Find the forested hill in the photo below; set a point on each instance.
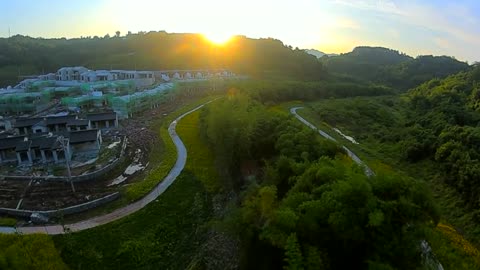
(20, 55)
(444, 116)
(392, 68)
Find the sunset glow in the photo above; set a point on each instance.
(217, 37)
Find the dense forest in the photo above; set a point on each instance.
(392, 68)
(431, 132)
(444, 127)
(436, 121)
(303, 204)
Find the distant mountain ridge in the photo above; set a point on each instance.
(319, 54)
(391, 67)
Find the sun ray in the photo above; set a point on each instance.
(217, 38)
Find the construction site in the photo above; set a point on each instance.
(121, 152)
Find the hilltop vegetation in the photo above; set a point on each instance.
(20, 55)
(392, 68)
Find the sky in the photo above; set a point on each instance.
(415, 27)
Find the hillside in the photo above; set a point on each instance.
(20, 55)
(392, 68)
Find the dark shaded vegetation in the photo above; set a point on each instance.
(305, 205)
(273, 92)
(392, 68)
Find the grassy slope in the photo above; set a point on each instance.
(35, 251)
(450, 247)
(200, 158)
(164, 235)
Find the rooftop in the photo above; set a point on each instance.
(10, 142)
(83, 136)
(26, 122)
(102, 116)
(55, 120)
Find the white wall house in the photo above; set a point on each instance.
(70, 73)
(47, 77)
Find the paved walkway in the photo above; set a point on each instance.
(352, 155)
(126, 210)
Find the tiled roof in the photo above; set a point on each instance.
(26, 122)
(78, 122)
(10, 142)
(83, 136)
(23, 146)
(102, 116)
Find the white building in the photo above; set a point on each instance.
(70, 73)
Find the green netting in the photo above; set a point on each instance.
(22, 102)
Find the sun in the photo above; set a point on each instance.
(217, 38)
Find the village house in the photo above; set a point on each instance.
(85, 144)
(70, 73)
(103, 120)
(47, 147)
(25, 126)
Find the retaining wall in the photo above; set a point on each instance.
(64, 211)
(75, 178)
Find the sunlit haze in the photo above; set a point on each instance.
(414, 27)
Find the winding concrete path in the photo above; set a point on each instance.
(352, 155)
(126, 210)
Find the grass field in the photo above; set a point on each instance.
(200, 158)
(163, 157)
(167, 233)
(29, 252)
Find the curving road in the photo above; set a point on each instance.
(352, 155)
(126, 210)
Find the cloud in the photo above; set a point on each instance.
(454, 22)
(383, 6)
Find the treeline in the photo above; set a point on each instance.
(444, 117)
(277, 91)
(392, 68)
(303, 203)
(21, 55)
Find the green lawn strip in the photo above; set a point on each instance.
(161, 161)
(9, 222)
(200, 158)
(36, 251)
